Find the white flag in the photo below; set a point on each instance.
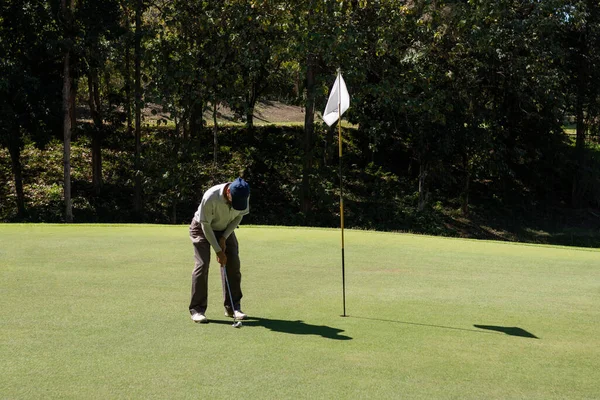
(338, 99)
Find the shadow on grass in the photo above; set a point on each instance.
(509, 330)
(512, 331)
(292, 327)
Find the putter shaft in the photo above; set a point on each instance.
(224, 270)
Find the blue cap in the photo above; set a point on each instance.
(240, 191)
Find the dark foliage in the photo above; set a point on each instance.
(377, 195)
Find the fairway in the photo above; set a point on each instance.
(100, 312)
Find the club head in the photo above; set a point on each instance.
(237, 324)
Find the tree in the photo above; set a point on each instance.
(467, 88)
(314, 38)
(580, 23)
(67, 102)
(29, 83)
(259, 48)
(100, 29)
(402, 97)
(138, 201)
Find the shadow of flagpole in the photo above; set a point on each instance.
(486, 329)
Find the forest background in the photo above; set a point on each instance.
(467, 118)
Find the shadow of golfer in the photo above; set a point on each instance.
(509, 330)
(293, 327)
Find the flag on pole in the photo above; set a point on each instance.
(338, 103)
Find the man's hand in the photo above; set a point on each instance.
(222, 257)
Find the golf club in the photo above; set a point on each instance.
(236, 324)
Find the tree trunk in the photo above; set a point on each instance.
(127, 72)
(464, 197)
(327, 145)
(309, 128)
(67, 115)
(94, 103)
(256, 89)
(174, 212)
(15, 157)
(578, 189)
(184, 122)
(215, 142)
(423, 193)
(73, 102)
(297, 85)
(250, 104)
(138, 112)
(196, 118)
(128, 86)
(586, 94)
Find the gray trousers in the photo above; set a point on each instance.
(202, 250)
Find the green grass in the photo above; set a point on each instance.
(100, 311)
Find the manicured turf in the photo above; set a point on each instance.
(100, 312)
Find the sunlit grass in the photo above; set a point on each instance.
(100, 311)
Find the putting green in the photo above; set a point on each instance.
(100, 311)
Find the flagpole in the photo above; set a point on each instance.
(341, 186)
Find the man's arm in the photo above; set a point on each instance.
(210, 236)
(236, 222)
(232, 225)
(206, 217)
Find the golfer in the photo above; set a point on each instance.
(220, 212)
